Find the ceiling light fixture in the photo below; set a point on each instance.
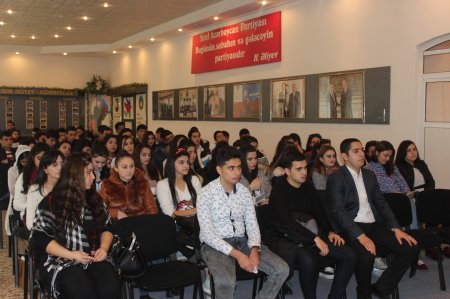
(13, 36)
(56, 35)
(33, 37)
(114, 52)
(65, 53)
(85, 18)
(17, 53)
(180, 29)
(152, 39)
(216, 18)
(9, 11)
(69, 28)
(263, 3)
(106, 5)
(130, 46)
(2, 23)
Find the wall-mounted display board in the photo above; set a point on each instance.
(355, 96)
(41, 107)
(129, 104)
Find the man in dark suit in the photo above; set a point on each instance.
(363, 217)
(294, 105)
(346, 101)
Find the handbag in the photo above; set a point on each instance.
(130, 261)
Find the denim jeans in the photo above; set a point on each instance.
(223, 269)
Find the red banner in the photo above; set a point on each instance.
(251, 42)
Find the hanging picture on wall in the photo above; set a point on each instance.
(29, 115)
(187, 103)
(43, 115)
(141, 109)
(99, 111)
(341, 95)
(288, 98)
(247, 100)
(117, 109)
(214, 102)
(76, 113)
(128, 108)
(166, 104)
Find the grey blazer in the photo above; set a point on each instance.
(343, 202)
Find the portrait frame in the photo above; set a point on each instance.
(342, 95)
(188, 103)
(247, 104)
(288, 99)
(166, 105)
(128, 107)
(214, 102)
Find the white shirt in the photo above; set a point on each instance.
(225, 215)
(165, 197)
(365, 214)
(34, 197)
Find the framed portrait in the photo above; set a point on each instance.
(99, 107)
(214, 101)
(187, 103)
(287, 99)
(247, 100)
(117, 109)
(128, 108)
(166, 105)
(141, 109)
(341, 95)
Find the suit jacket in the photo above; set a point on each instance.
(343, 202)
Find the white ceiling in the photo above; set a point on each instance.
(122, 23)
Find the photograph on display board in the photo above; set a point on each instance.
(288, 98)
(247, 100)
(128, 108)
(187, 103)
(141, 109)
(341, 95)
(166, 104)
(214, 101)
(117, 109)
(99, 111)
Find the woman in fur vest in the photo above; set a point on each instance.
(127, 191)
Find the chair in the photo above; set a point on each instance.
(433, 210)
(401, 207)
(157, 237)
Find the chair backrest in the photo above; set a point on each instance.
(401, 207)
(264, 217)
(433, 207)
(156, 234)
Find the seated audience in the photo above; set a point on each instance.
(71, 237)
(127, 192)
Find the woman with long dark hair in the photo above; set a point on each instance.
(196, 169)
(142, 156)
(127, 192)
(111, 147)
(149, 139)
(27, 178)
(177, 193)
(254, 177)
(413, 169)
(49, 172)
(71, 236)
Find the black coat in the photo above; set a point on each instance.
(407, 171)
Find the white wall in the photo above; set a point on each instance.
(318, 36)
(33, 69)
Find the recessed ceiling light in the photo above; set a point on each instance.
(114, 52)
(106, 5)
(33, 37)
(9, 11)
(85, 18)
(130, 46)
(216, 18)
(17, 53)
(180, 29)
(152, 39)
(65, 53)
(69, 28)
(2, 23)
(263, 2)
(56, 35)
(13, 36)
